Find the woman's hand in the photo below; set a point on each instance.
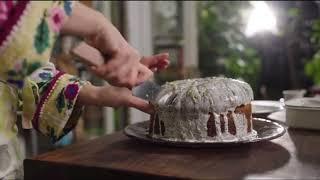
(113, 97)
(123, 67)
(125, 71)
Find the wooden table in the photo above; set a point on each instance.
(296, 155)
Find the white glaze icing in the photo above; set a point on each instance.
(183, 106)
(212, 94)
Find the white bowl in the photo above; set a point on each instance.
(303, 113)
(293, 93)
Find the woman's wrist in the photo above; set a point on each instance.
(88, 95)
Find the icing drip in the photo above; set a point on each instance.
(232, 126)
(151, 123)
(211, 125)
(162, 127)
(222, 124)
(156, 129)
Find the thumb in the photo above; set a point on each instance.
(97, 70)
(144, 74)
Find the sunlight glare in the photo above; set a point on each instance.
(261, 19)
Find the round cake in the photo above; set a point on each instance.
(203, 109)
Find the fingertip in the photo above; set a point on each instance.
(150, 110)
(164, 62)
(154, 69)
(132, 83)
(141, 104)
(164, 53)
(138, 83)
(94, 68)
(163, 56)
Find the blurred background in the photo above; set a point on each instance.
(272, 45)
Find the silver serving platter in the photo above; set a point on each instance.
(265, 106)
(266, 130)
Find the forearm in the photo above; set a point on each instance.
(111, 96)
(88, 95)
(99, 96)
(83, 21)
(90, 24)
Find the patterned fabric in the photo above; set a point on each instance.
(28, 30)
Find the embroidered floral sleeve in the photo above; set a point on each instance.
(49, 101)
(28, 30)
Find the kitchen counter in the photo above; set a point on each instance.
(296, 155)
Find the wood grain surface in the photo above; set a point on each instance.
(296, 155)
